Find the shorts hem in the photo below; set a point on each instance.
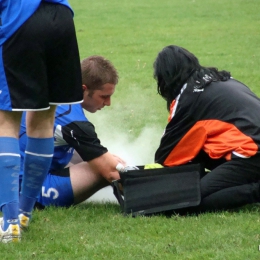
(46, 108)
(30, 109)
(66, 103)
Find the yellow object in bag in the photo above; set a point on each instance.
(153, 166)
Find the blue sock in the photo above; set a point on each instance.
(37, 162)
(9, 179)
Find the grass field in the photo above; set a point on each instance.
(224, 34)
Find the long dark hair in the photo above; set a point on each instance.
(175, 66)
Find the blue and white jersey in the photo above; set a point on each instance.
(14, 13)
(63, 152)
(72, 131)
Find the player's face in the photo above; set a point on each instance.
(99, 98)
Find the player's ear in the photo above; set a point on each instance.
(84, 87)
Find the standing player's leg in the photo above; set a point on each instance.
(9, 175)
(37, 160)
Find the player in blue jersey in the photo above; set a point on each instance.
(94, 167)
(39, 69)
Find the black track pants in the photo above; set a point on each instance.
(232, 184)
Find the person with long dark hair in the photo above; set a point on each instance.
(213, 120)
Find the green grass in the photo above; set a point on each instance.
(224, 34)
(100, 231)
(221, 33)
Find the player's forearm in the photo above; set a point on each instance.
(105, 165)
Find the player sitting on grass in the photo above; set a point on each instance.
(73, 133)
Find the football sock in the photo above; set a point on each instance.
(9, 180)
(37, 162)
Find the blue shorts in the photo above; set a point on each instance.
(57, 189)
